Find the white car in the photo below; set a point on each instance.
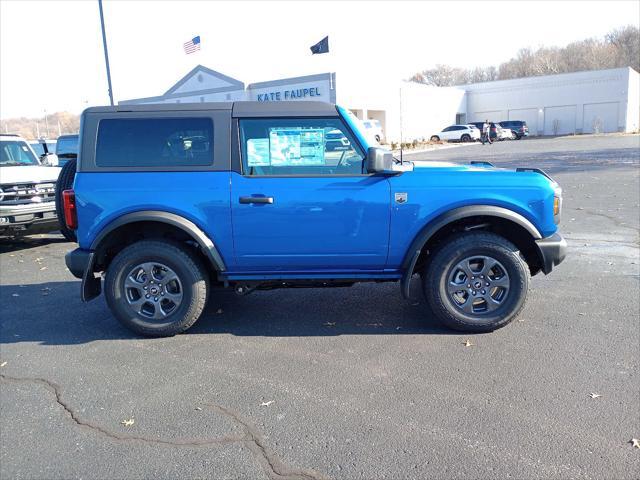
(457, 133)
(504, 133)
(374, 128)
(27, 189)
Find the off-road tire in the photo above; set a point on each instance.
(435, 279)
(184, 263)
(65, 182)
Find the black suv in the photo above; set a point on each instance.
(518, 127)
(492, 129)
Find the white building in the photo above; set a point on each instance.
(572, 103)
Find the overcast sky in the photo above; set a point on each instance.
(51, 53)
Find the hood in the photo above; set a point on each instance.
(28, 174)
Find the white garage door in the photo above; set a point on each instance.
(491, 116)
(560, 120)
(529, 115)
(600, 117)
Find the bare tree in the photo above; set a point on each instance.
(619, 48)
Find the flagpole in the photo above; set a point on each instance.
(106, 53)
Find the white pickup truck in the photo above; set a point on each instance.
(27, 189)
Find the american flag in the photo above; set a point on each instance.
(192, 45)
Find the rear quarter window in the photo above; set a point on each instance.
(154, 142)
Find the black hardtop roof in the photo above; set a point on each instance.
(238, 109)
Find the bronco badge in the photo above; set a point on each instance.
(401, 197)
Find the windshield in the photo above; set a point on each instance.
(67, 146)
(38, 148)
(16, 152)
(366, 137)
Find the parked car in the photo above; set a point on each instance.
(66, 148)
(45, 150)
(27, 189)
(496, 131)
(518, 128)
(458, 133)
(336, 141)
(374, 128)
(166, 224)
(41, 147)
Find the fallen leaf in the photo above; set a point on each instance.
(45, 289)
(329, 324)
(266, 404)
(582, 314)
(39, 259)
(595, 395)
(128, 423)
(15, 294)
(43, 268)
(635, 442)
(468, 343)
(198, 408)
(3, 364)
(11, 255)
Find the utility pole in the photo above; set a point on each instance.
(106, 53)
(46, 122)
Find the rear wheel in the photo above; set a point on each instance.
(156, 288)
(477, 282)
(435, 138)
(65, 182)
(514, 136)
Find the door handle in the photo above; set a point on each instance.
(262, 200)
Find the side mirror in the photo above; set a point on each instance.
(380, 161)
(49, 159)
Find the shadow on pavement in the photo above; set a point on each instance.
(53, 314)
(14, 244)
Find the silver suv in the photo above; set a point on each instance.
(27, 189)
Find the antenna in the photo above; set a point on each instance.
(401, 125)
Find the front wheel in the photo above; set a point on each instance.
(156, 288)
(465, 138)
(477, 282)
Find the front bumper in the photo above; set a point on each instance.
(32, 218)
(552, 251)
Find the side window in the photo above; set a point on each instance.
(154, 142)
(448, 129)
(306, 146)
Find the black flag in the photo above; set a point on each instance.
(321, 47)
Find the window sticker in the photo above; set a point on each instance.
(296, 146)
(258, 152)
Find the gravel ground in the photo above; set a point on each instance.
(343, 383)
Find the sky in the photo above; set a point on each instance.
(51, 55)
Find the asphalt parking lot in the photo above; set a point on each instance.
(343, 383)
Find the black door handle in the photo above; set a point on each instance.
(256, 199)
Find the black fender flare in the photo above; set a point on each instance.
(190, 228)
(417, 245)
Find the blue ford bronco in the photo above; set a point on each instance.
(169, 201)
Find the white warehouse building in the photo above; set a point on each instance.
(598, 101)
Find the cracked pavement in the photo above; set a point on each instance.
(363, 385)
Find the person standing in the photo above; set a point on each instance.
(486, 132)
